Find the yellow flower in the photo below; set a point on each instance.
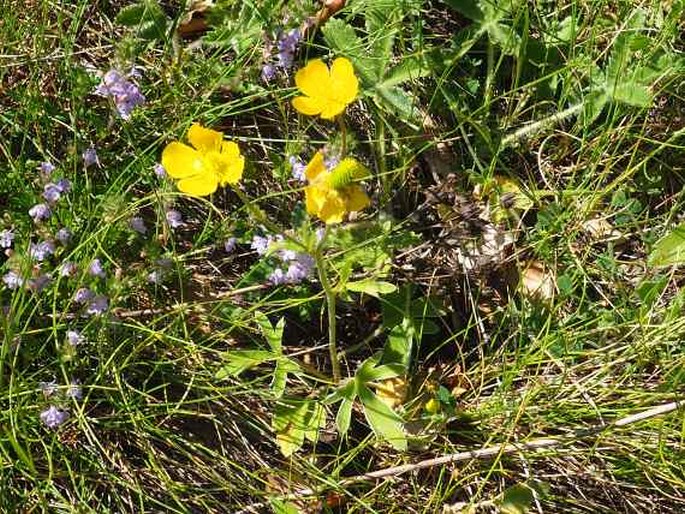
(212, 162)
(327, 202)
(327, 91)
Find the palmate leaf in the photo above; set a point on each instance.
(241, 360)
(294, 421)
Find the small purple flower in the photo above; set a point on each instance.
(287, 46)
(277, 278)
(48, 388)
(159, 170)
(331, 162)
(155, 277)
(98, 305)
(74, 391)
(298, 169)
(300, 268)
(122, 91)
(95, 269)
(63, 185)
(12, 280)
(319, 234)
(53, 417)
(137, 224)
(63, 236)
(83, 295)
(75, 338)
(229, 245)
(46, 168)
(40, 251)
(67, 269)
(39, 283)
(6, 238)
(174, 218)
(268, 72)
(40, 212)
(90, 157)
(260, 244)
(51, 193)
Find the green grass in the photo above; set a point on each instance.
(451, 103)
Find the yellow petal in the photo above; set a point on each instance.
(315, 167)
(333, 209)
(314, 79)
(345, 85)
(232, 171)
(181, 161)
(307, 105)
(199, 185)
(204, 139)
(357, 199)
(331, 109)
(230, 149)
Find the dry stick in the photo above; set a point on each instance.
(485, 453)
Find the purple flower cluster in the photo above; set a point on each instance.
(94, 304)
(6, 238)
(40, 251)
(174, 218)
(286, 45)
(90, 157)
(40, 212)
(299, 266)
(298, 168)
(123, 92)
(53, 191)
(53, 417)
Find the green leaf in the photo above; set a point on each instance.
(344, 416)
(385, 423)
(399, 101)
(240, 360)
(293, 420)
(153, 29)
(633, 94)
(132, 14)
(468, 8)
(283, 507)
(273, 335)
(517, 500)
(371, 287)
(399, 346)
(411, 68)
(342, 38)
(669, 250)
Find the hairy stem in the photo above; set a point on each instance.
(329, 292)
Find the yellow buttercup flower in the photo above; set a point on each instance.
(327, 196)
(210, 163)
(327, 91)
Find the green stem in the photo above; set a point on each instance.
(329, 292)
(537, 126)
(343, 136)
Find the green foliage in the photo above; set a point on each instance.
(670, 249)
(238, 361)
(385, 422)
(147, 18)
(407, 319)
(372, 60)
(297, 421)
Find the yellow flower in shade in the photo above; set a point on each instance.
(327, 91)
(330, 195)
(210, 163)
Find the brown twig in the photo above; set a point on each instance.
(491, 451)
